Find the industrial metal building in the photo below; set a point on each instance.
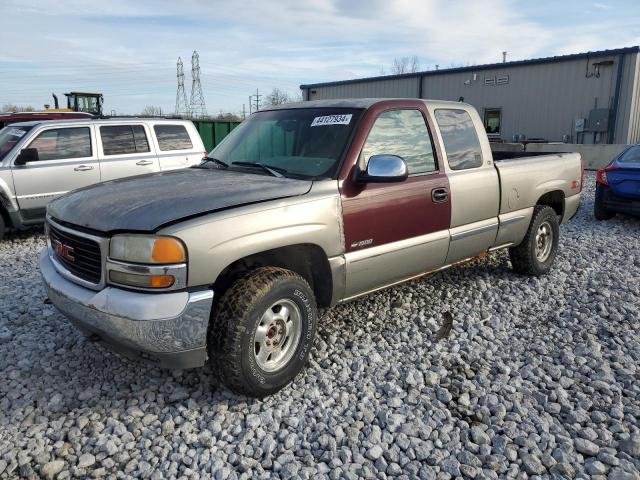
(589, 98)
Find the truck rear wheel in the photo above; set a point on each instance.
(536, 253)
(262, 331)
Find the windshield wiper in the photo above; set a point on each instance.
(214, 160)
(275, 171)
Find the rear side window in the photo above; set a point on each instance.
(630, 156)
(172, 137)
(403, 133)
(460, 138)
(123, 139)
(63, 143)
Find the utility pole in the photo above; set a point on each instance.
(257, 100)
(254, 102)
(244, 114)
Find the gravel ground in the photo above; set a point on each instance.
(536, 377)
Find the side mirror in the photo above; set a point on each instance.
(383, 169)
(27, 155)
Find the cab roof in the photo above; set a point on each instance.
(362, 103)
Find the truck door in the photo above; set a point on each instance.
(396, 230)
(66, 160)
(474, 183)
(125, 151)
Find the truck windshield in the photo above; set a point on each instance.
(300, 142)
(9, 136)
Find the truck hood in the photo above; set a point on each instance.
(145, 203)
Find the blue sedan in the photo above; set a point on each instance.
(618, 185)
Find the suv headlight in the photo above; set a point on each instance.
(147, 262)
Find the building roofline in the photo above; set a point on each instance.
(487, 66)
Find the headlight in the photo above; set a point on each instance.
(147, 249)
(147, 262)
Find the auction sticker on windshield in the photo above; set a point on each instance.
(332, 120)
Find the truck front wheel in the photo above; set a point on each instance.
(262, 331)
(536, 253)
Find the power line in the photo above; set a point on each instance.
(181, 96)
(197, 107)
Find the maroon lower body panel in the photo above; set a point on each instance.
(379, 213)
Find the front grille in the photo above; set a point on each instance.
(87, 259)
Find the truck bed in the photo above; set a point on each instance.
(525, 179)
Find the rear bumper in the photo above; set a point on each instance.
(169, 329)
(614, 203)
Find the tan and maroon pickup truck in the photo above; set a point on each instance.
(302, 206)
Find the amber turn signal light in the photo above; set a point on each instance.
(141, 281)
(168, 250)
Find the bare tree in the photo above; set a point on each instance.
(9, 107)
(277, 97)
(229, 117)
(151, 111)
(405, 65)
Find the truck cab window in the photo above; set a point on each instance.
(403, 133)
(460, 138)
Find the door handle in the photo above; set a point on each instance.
(439, 195)
(83, 168)
(144, 162)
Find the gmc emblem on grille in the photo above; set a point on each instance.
(62, 250)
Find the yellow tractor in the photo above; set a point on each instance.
(79, 102)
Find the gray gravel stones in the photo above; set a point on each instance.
(538, 377)
(586, 447)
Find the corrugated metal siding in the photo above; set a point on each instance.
(401, 88)
(540, 100)
(634, 115)
(626, 115)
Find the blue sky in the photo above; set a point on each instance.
(128, 49)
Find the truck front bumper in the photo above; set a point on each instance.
(169, 329)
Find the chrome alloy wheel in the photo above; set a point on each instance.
(544, 241)
(278, 335)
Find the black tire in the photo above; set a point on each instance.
(523, 257)
(3, 227)
(599, 212)
(234, 323)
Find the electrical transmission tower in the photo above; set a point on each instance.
(197, 107)
(182, 108)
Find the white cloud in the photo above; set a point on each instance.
(128, 50)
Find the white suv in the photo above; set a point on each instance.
(40, 161)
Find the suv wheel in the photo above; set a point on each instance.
(262, 331)
(536, 253)
(3, 227)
